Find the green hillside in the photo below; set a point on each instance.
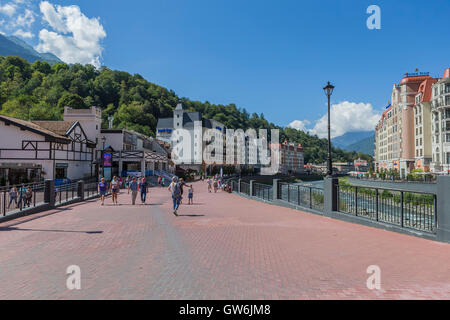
(39, 91)
(365, 146)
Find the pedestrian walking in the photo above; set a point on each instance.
(13, 196)
(28, 196)
(215, 184)
(159, 181)
(21, 201)
(143, 188)
(133, 187)
(191, 195)
(102, 189)
(209, 182)
(175, 189)
(115, 188)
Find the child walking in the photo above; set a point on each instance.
(191, 195)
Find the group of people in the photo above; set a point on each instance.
(133, 186)
(216, 183)
(140, 186)
(22, 197)
(161, 181)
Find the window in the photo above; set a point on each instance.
(61, 173)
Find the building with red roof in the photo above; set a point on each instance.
(440, 124)
(395, 132)
(422, 125)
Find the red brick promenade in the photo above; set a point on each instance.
(223, 247)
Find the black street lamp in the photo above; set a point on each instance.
(328, 92)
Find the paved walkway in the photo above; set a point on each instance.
(223, 247)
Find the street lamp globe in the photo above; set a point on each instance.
(328, 89)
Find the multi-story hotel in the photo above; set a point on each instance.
(395, 132)
(292, 158)
(440, 110)
(422, 125)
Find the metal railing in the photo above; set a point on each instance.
(427, 178)
(66, 193)
(262, 191)
(234, 185)
(17, 198)
(245, 188)
(90, 190)
(402, 208)
(304, 196)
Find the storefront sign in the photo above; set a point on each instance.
(107, 159)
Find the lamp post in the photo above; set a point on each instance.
(328, 92)
(103, 156)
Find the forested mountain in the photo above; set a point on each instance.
(13, 46)
(365, 146)
(350, 138)
(39, 91)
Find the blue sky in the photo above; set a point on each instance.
(270, 57)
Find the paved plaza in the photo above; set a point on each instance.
(222, 247)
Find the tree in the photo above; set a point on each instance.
(71, 100)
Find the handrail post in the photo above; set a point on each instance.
(402, 210)
(275, 186)
(49, 192)
(80, 192)
(376, 204)
(356, 200)
(330, 193)
(310, 198)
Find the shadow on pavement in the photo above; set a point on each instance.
(39, 230)
(191, 215)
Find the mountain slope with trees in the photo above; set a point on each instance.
(39, 91)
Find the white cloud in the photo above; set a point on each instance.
(23, 34)
(8, 9)
(75, 39)
(300, 125)
(26, 19)
(19, 17)
(345, 117)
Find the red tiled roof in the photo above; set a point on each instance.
(416, 79)
(446, 73)
(425, 89)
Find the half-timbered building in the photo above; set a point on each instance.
(37, 150)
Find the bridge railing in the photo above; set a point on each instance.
(66, 193)
(24, 199)
(300, 195)
(405, 209)
(21, 197)
(262, 191)
(420, 210)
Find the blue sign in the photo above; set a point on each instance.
(417, 74)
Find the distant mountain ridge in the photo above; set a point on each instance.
(360, 141)
(365, 146)
(12, 46)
